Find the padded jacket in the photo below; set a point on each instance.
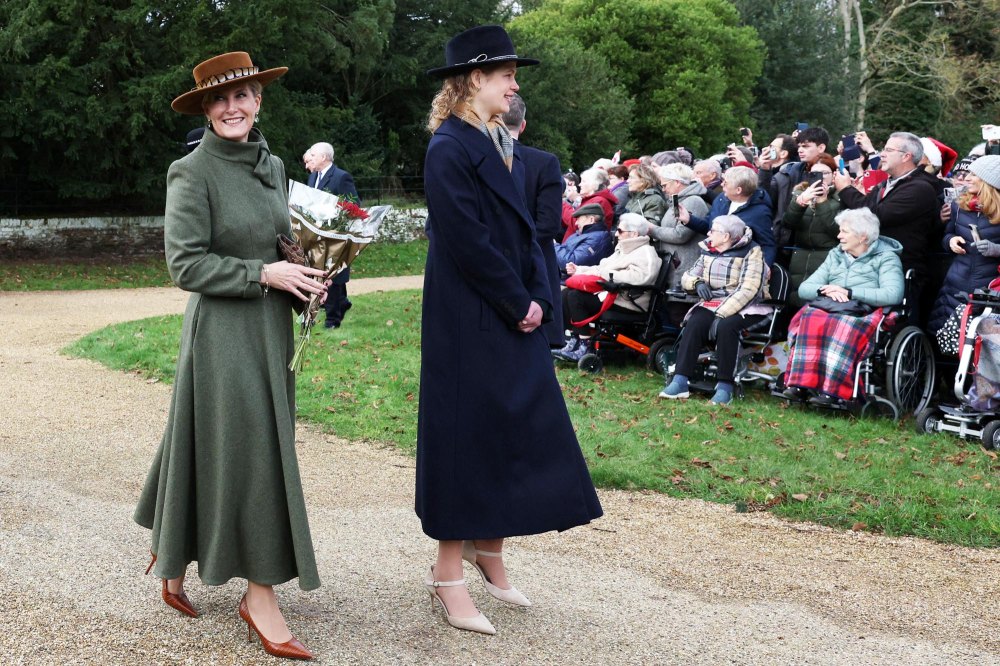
(875, 278)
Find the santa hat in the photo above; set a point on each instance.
(931, 152)
(948, 156)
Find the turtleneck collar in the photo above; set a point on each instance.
(253, 152)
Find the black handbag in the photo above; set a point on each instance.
(850, 307)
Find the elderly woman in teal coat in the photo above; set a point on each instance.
(497, 456)
(224, 486)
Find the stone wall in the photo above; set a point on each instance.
(59, 237)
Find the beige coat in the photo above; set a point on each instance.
(634, 262)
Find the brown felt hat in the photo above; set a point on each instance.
(222, 70)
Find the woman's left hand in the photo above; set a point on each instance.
(532, 320)
(835, 292)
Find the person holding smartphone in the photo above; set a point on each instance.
(972, 235)
(810, 218)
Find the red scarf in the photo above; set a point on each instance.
(974, 204)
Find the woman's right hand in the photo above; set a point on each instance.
(293, 278)
(570, 268)
(683, 215)
(945, 212)
(955, 245)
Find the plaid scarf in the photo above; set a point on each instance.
(493, 128)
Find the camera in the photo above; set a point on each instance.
(726, 162)
(745, 131)
(801, 126)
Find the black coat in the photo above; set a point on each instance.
(339, 182)
(909, 212)
(496, 451)
(543, 189)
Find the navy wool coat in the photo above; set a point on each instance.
(543, 190)
(496, 452)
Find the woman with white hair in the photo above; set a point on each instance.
(678, 180)
(729, 278)
(829, 335)
(633, 262)
(593, 190)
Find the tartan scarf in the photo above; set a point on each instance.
(493, 128)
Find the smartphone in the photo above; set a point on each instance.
(975, 234)
(814, 177)
(744, 131)
(801, 126)
(852, 151)
(991, 132)
(841, 167)
(676, 200)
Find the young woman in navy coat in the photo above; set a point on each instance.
(496, 452)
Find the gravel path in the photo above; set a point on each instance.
(656, 581)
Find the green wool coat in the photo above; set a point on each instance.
(224, 487)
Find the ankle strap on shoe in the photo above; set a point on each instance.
(447, 583)
(486, 553)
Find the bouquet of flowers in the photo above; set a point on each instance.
(332, 231)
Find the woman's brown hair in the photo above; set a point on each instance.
(989, 202)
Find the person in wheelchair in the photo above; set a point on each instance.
(634, 262)
(590, 243)
(829, 336)
(729, 278)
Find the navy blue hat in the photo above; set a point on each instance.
(478, 47)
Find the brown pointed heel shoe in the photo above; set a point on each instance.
(176, 601)
(292, 649)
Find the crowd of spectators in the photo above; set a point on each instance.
(914, 207)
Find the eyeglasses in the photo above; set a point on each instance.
(716, 231)
(886, 149)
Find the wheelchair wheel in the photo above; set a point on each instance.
(927, 420)
(910, 370)
(658, 352)
(591, 363)
(875, 406)
(991, 435)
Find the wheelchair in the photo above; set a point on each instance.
(753, 341)
(643, 331)
(967, 420)
(896, 376)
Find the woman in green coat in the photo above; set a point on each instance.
(810, 216)
(224, 486)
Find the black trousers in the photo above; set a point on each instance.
(336, 304)
(579, 305)
(727, 343)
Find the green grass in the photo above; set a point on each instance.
(379, 260)
(361, 382)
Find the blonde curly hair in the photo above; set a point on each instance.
(454, 90)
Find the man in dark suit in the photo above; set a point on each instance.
(543, 190)
(326, 176)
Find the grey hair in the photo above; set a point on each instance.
(732, 225)
(515, 116)
(710, 164)
(911, 144)
(323, 149)
(743, 178)
(861, 221)
(678, 171)
(599, 176)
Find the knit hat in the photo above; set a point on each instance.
(948, 156)
(634, 222)
(987, 167)
(590, 209)
(931, 152)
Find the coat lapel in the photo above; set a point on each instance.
(491, 169)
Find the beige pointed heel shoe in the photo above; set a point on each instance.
(510, 595)
(478, 624)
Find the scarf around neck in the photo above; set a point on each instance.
(493, 128)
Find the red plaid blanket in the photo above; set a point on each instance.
(826, 348)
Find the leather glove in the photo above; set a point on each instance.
(705, 292)
(988, 249)
(713, 330)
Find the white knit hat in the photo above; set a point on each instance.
(987, 168)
